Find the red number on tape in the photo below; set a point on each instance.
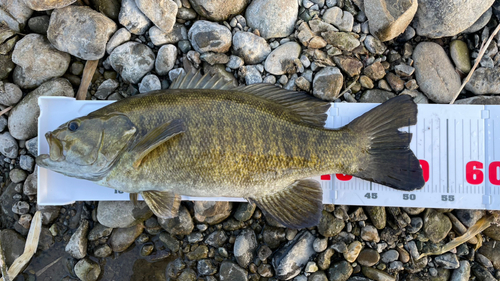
(425, 168)
(326, 177)
(473, 173)
(343, 177)
(493, 173)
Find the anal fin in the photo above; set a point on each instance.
(163, 204)
(297, 206)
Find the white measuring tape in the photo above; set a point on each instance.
(458, 147)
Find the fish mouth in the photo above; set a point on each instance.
(55, 147)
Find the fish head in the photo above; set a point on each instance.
(87, 147)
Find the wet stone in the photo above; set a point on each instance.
(206, 267)
(329, 225)
(264, 252)
(413, 211)
(415, 225)
(293, 256)
(244, 212)
(77, 245)
(21, 207)
(482, 273)
(195, 237)
(462, 273)
(389, 256)
(201, 252)
(122, 238)
(323, 260)
(232, 272)
(106, 88)
(180, 225)
(436, 225)
(459, 53)
(340, 271)
(216, 239)
(448, 261)
(87, 270)
(320, 245)
(244, 247)
(368, 257)
(469, 217)
(353, 251)
(99, 231)
(377, 215)
(370, 233)
(17, 175)
(170, 241)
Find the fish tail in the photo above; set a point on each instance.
(386, 156)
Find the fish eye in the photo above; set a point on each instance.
(73, 126)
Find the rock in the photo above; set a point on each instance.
(434, 72)
(482, 273)
(374, 46)
(289, 259)
(8, 146)
(376, 274)
(368, 257)
(346, 41)
(87, 270)
(376, 96)
(469, 217)
(369, 233)
(375, 71)
(462, 273)
(252, 48)
(206, 267)
(17, 175)
(10, 94)
(110, 8)
(37, 61)
(218, 10)
(415, 225)
(201, 252)
(436, 225)
(480, 22)
(170, 241)
(99, 231)
(23, 118)
(44, 5)
(387, 19)
(340, 271)
(214, 58)
(49, 213)
(212, 212)
(159, 37)
(350, 65)
(180, 225)
(149, 83)
(122, 238)
(32, 146)
(438, 18)
(132, 61)
(342, 20)
(377, 215)
(39, 24)
(273, 18)
(106, 88)
(161, 13)
(329, 225)
(119, 37)
(30, 185)
(103, 251)
(235, 62)
(165, 60)
(251, 74)
(188, 275)
(21, 208)
(327, 83)
(282, 59)
(77, 245)
(12, 245)
(6, 65)
(121, 214)
(207, 36)
(448, 261)
(480, 100)
(484, 81)
(80, 31)
(244, 247)
(492, 252)
(216, 239)
(353, 251)
(493, 232)
(132, 18)
(232, 272)
(459, 53)
(3, 122)
(15, 14)
(244, 211)
(390, 256)
(26, 162)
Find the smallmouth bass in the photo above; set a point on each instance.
(203, 137)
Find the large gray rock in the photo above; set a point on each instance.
(208, 36)
(23, 118)
(389, 18)
(282, 59)
(161, 12)
(44, 5)
(77, 245)
(80, 31)
(37, 61)
(289, 260)
(120, 214)
(10, 94)
(252, 48)
(244, 247)
(273, 18)
(484, 81)
(159, 37)
(441, 18)
(132, 18)
(327, 83)
(435, 73)
(15, 14)
(132, 61)
(8, 146)
(218, 10)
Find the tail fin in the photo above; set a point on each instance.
(387, 158)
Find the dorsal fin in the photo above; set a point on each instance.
(194, 80)
(309, 109)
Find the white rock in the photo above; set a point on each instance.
(282, 57)
(252, 48)
(119, 37)
(132, 61)
(343, 20)
(161, 12)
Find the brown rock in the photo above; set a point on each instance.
(389, 18)
(349, 65)
(396, 83)
(375, 71)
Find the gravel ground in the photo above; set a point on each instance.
(336, 50)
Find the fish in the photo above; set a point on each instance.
(205, 137)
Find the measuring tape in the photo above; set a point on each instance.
(459, 150)
(458, 147)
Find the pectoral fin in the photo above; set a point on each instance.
(297, 206)
(155, 138)
(163, 204)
